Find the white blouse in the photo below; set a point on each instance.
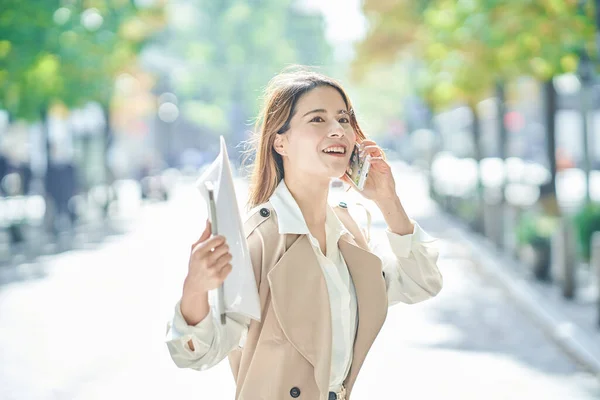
(409, 278)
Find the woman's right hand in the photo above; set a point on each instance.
(209, 265)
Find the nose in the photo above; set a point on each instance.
(337, 130)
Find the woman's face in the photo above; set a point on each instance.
(320, 139)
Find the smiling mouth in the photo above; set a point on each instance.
(335, 150)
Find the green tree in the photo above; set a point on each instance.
(469, 49)
(68, 52)
(467, 46)
(29, 70)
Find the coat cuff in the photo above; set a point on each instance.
(401, 245)
(201, 334)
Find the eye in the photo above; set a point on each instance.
(317, 119)
(344, 120)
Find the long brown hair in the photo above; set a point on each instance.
(280, 98)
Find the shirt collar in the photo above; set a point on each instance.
(291, 220)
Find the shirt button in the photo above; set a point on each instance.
(295, 392)
(264, 212)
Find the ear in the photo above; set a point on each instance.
(279, 145)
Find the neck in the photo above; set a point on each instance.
(311, 195)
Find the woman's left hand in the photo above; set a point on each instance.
(380, 184)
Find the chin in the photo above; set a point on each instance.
(335, 170)
(338, 173)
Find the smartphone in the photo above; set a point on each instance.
(358, 168)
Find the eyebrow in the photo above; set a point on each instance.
(321, 110)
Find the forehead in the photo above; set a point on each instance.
(324, 97)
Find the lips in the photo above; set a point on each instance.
(335, 149)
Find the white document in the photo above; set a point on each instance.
(241, 294)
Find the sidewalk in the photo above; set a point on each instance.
(571, 324)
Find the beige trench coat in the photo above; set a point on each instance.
(288, 354)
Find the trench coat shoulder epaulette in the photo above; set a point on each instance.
(257, 216)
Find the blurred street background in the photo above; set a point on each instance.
(488, 112)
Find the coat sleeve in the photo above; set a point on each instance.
(212, 341)
(411, 271)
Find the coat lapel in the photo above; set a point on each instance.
(301, 303)
(371, 296)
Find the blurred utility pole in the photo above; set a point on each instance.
(586, 75)
(568, 259)
(503, 153)
(478, 224)
(49, 176)
(109, 179)
(549, 199)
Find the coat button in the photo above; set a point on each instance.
(264, 212)
(295, 392)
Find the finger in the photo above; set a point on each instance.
(367, 142)
(380, 163)
(371, 147)
(222, 261)
(210, 244)
(226, 270)
(215, 255)
(372, 150)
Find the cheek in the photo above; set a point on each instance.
(304, 145)
(309, 138)
(352, 135)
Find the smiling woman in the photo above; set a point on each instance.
(315, 273)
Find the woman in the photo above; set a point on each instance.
(323, 293)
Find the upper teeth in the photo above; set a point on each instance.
(335, 150)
